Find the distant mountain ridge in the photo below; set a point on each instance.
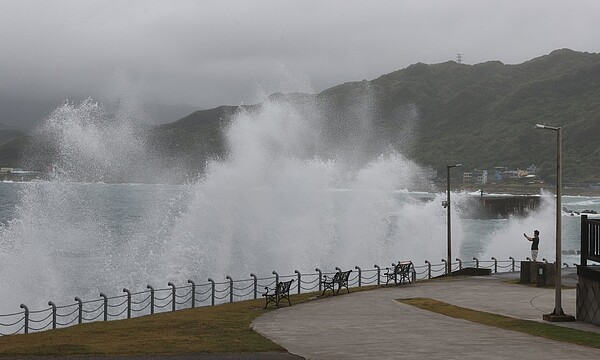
(481, 115)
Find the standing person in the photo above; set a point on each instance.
(535, 241)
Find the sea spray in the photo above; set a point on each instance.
(269, 207)
(76, 235)
(508, 240)
(284, 198)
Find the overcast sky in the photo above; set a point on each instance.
(208, 53)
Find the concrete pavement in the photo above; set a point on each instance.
(373, 325)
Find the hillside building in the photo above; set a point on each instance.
(476, 176)
(481, 176)
(467, 177)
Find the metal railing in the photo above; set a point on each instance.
(590, 240)
(172, 298)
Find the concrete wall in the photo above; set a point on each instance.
(588, 299)
(530, 271)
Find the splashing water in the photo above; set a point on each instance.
(503, 238)
(269, 207)
(285, 198)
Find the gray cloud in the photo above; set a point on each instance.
(208, 53)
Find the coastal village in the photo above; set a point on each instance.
(501, 173)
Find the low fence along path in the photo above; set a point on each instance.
(148, 300)
(374, 325)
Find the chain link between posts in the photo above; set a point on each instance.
(213, 293)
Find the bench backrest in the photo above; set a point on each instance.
(341, 276)
(283, 287)
(404, 266)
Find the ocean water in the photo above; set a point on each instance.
(273, 204)
(60, 240)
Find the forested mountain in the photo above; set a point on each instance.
(12, 143)
(481, 115)
(484, 115)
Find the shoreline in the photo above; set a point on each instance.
(439, 187)
(534, 189)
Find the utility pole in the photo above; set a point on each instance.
(446, 204)
(558, 313)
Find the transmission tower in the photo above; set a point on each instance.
(459, 58)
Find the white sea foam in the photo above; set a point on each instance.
(273, 204)
(284, 198)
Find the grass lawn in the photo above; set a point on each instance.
(223, 328)
(219, 329)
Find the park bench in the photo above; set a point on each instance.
(280, 292)
(340, 278)
(400, 273)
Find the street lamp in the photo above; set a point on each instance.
(446, 204)
(558, 313)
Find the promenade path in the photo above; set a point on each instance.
(373, 325)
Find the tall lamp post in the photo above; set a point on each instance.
(446, 204)
(558, 313)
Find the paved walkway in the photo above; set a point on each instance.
(373, 325)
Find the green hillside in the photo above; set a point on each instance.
(484, 115)
(481, 115)
(12, 143)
